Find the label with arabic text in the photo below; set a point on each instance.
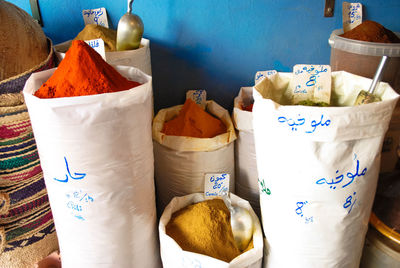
(311, 83)
(215, 184)
(95, 16)
(351, 15)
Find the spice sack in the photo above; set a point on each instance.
(97, 158)
(173, 256)
(318, 169)
(245, 154)
(181, 162)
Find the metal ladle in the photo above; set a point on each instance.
(241, 223)
(365, 97)
(130, 30)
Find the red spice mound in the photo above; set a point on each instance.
(193, 121)
(371, 31)
(248, 108)
(83, 72)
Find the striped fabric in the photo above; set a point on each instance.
(27, 232)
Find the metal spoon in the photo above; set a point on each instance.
(241, 222)
(365, 97)
(130, 30)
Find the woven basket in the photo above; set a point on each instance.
(27, 233)
(16, 83)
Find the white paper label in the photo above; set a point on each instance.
(352, 15)
(311, 82)
(215, 184)
(199, 96)
(261, 74)
(95, 16)
(98, 45)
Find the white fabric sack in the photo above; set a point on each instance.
(181, 162)
(245, 155)
(173, 256)
(318, 169)
(139, 58)
(97, 159)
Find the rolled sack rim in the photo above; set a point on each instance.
(254, 254)
(192, 144)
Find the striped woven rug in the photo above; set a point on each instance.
(27, 232)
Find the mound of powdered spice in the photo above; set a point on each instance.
(205, 228)
(83, 72)
(193, 121)
(371, 31)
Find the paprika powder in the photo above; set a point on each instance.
(371, 31)
(193, 121)
(83, 72)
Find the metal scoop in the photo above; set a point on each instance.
(241, 222)
(365, 97)
(130, 30)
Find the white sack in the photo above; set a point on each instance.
(139, 58)
(181, 162)
(101, 146)
(318, 169)
(245, 155)
(173, 256)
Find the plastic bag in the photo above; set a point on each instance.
(97, 158)
(173, 256)
(318, 169)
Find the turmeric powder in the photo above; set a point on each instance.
(193, 121)
(205, 228)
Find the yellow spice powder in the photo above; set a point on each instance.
(205, 228)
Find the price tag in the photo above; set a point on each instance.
(95, 16)
(199, 96)
(260, 75)
(352, 15)
(98, 45)
(215, 184)
(311, 83)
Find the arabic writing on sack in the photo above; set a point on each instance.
(77, 201)
(299, 211)
(296, 123)
(343, 179)
(68, 175)
(263, 188)
(350, 202)
(313, 74)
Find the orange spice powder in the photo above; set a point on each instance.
(193, 121)
(83, 72)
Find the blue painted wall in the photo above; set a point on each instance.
(218, 45)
